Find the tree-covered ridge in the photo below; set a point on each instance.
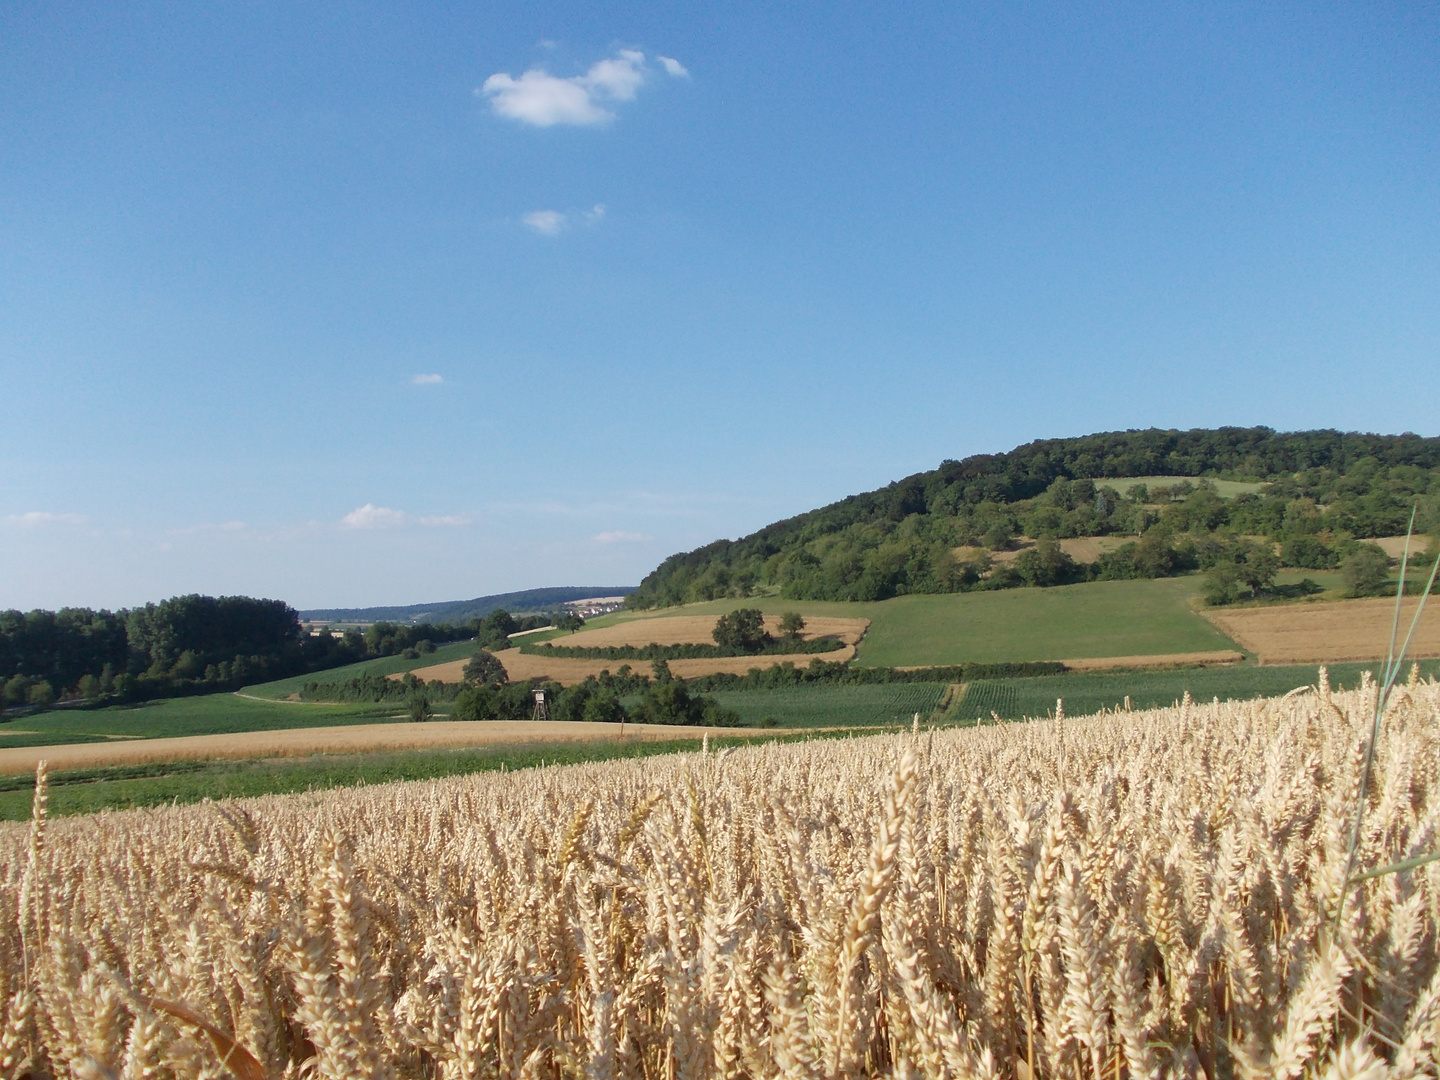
(199, 644)
(1327, 486)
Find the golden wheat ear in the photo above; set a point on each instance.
(232, 1055)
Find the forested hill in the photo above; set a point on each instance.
(1329, 487)
(464, 611)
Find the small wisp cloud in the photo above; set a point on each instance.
(554, 222)
(540, 99)
(620, 536)
(371, 516)
(34, 519)
(427, 380)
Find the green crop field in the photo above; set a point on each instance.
(211, 714)
(838, 706)
(158, 783)
(1101, 618)
(385, 665)
(1015, 699)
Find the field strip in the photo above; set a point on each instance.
(568, 671)
(1327, 632)
(1102, 663)
(353, 738)
(278, 700)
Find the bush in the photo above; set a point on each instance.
(16, 688)
(40, 693)
(1308, 553)
(742, 630)
(603, 707)
(671, 703)
(476, 703)
(1046, 564)
(484, 669)
(1365, 571)
(1222, 584)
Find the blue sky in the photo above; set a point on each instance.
(385, 303)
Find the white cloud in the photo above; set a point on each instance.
(554, 222)
(427, 380)
(544, 100)
(371, 516)
(673, 67)
(35, 518)
(617, 78)
(545, 222)
(619, 536)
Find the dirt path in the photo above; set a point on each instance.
(354, 738)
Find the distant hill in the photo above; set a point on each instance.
(917, 535)
(462, 611)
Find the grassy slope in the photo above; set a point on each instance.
(211, 714)
(385, 665)
(1103, 618)
(1091, 692)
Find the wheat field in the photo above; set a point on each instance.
(1156, 894)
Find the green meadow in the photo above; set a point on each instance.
(1096, 619)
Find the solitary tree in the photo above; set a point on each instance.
(485, 670)
(791, 623)
(1366, 570)
(742, 630)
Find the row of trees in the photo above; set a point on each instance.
(664, 699)
(1321, 491)
(199, 644)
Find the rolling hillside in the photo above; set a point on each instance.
(1181, 496)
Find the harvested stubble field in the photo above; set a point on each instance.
(1130, 894)
(568, 671)
(1326, 632)
(697, 630)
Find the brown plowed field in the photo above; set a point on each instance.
(567, 671)
(1318, 633)
(355, 738)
